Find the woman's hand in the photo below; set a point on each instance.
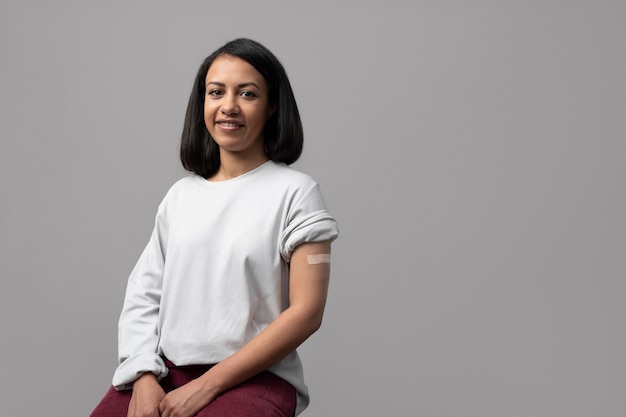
(187, 400)
(146, 397)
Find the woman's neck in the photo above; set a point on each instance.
(232, 165)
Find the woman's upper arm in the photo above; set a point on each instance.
(309, 278)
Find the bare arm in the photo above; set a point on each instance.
(308, 287)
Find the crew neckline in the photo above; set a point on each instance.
(215, 184)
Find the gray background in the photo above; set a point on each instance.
(472, 151)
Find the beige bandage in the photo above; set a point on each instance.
(322, 258)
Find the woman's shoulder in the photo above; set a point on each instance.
(180, 186)
(182, 183)
(288, 175)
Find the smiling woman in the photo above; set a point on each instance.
(226, 289)
(281, 128)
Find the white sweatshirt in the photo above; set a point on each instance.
(216, 271)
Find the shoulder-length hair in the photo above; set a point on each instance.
(283, 137)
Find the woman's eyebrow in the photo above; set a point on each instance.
(247, 84)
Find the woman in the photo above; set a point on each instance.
(235, 275)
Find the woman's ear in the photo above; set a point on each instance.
(270, 111)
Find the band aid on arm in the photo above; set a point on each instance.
(322, 258)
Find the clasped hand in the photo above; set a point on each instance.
(149, 400)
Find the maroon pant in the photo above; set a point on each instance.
(264, 395)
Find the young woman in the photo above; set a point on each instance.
(235, 275)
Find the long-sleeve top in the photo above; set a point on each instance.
(215, 271)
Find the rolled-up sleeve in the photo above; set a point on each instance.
(307, 221)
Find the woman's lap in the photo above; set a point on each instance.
(264, 395)
(113, 404)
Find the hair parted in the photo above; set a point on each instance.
(283, 136)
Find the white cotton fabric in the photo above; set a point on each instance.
(215, 271)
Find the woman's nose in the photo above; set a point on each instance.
(229, 104)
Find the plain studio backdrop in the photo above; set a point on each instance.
(473, 153)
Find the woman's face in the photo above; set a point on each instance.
(236, 105)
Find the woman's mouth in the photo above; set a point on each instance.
(229, 124)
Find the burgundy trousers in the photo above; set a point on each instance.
(264, 395)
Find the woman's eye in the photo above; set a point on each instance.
(214, 93)
(248, 94)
